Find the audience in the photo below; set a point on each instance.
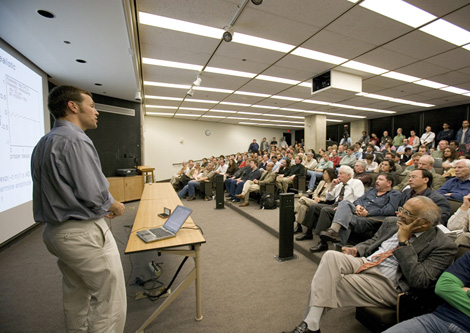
(459, 186)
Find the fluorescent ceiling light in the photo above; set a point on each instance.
(201, 101)
(293, 110)
(250, 113)
(163, 98)
(306, 84)
(160, 107)
(400, 11)
(334, 114)
(257, 124)
(287, 98)
(364, 67)
(222, 111)
(320, 56)
(311, 101)
(392, 99)
(158, 114)
(401, 77)
(455, 90)
(341, 105)
(171, 64)
(467, 47)
(229, 72)
(247, 93)
(187, 115)
(193, 109)
(209, 116)
(225, 91)
(236, 118)
(295, 117)
(425, 105)
(257, 119)
(373, 110)
(335, 120)
(179, 25)
(277, 79)
(166, 85)
(236, 104)
(447, 31)
(264, 107)
(430, 84)
(284, 121)
(273, 115)
(295, 122)
(261, 42)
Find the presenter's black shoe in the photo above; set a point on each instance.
(320, 247)
(330, 236)
(302, 328)
(304, 237)
(298, 229)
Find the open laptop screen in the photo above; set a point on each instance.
(177, 218)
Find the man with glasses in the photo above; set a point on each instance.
(425, 162)
(409, 254)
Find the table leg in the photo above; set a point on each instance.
(197, 263)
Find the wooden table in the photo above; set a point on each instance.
(155, 197)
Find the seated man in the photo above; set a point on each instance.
(175, 179)
(232, 181)
(318, 171)
(361, 174)
(456, 188)
(401, 150)
(253, 173)
(425, 162)
(349, 159)
(268, 176)
(310, 162)
(375, 271)
(296, 170)
(379, 201)
(345, 187)
(454, 314)
(190, 189)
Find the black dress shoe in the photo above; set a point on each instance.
(330, 236)
(298, 229)
(304, 237)
(320, 247)
(302, 328)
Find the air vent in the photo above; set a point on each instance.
(115, 109)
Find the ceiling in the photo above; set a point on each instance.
(98, 32)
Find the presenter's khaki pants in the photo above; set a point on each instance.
(94, 291)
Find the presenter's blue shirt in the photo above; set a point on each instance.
(67, 179)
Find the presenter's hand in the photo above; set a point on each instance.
(116, 209)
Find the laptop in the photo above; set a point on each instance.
(169, 229)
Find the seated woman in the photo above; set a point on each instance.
(319, 196)
(450, 157)
(370, 164)
(318, 171)
(232, 168)
(387, 166)
(285, 165)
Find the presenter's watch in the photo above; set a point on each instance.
(405, 243)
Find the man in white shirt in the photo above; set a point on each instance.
(427, 139)
(401, 150)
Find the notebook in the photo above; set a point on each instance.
(169, 229)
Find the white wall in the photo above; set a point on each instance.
(162, 145)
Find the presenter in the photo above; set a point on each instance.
(70, 195)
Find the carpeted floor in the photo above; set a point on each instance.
(244, 288)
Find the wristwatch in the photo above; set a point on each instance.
(405, 243)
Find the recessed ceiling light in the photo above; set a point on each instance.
(320, 56)
(210, 116)
(98, 84)
(194, 109)
(276, 79)
(67, 42)
(447, 31)
(364, 67)
(261, 42)
(80, 61)
(166, 85)
(335, 120)
(400, 11)
(224, 91)
(222, 111)
(160, 107)
(229, 72)
(158, 113)
(455, 90)
(430, 84)
(287, 98)
(187, 115)
(163, 98)
(200, 101)
(401, 77)
(45, 13)
(265, 107)
(236, 104)
(250, 113)
(171, 64)
(247, 93)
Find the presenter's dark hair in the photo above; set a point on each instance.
(60, 96)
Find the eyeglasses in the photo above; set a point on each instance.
(405, 212)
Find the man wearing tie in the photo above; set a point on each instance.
(409, 254)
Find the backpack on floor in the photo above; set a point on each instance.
(267, 201)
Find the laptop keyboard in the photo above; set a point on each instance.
(160, 232)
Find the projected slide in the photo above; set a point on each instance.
(21, 126)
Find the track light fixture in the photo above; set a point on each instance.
(190, 92)
(198, 81)
(228, 34)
